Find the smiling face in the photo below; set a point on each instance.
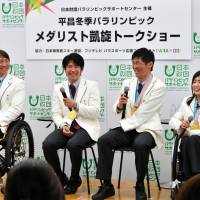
(73, 72)
(4, 66)
(142, 70)
(196, 86)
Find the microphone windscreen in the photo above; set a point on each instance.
(126, 89)
(62, 90)
(190, 118)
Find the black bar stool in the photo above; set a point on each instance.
(86, 161)
(131, 149)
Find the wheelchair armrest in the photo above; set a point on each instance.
(46, 119)
(164, 121)
(20, 117)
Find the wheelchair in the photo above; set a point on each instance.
(177, 167)
(16, 145)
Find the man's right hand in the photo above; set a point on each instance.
(66, 131)
(122, 101)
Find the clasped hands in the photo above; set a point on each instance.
(66, 131)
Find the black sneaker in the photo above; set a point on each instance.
(140, 192)
(72, 186)
(104, 192)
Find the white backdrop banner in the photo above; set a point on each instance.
(41, 74)
(108, 29)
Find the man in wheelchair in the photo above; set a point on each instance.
(12, 94)
(186, 122)
(12, 98)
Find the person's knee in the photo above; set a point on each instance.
(73, 145)
(140, 146)
(193, 138)
(46, 145)
(103, 140)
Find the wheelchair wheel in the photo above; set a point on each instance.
(19, 143)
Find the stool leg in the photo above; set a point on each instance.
(148, 186)
(64, 156)
(120, 169)
(87, 175)
(95, 160)
(154, 166)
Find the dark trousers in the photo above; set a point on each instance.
(190, 151)
(116, 138)
(75, 144)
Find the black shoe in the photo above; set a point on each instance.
(104, 192)
(140, 192)
(72, 186)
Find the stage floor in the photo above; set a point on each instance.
(126, 191)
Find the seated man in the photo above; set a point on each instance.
(140, 128)
(75, 111)
(12, 94)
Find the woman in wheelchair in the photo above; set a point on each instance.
(186, 122)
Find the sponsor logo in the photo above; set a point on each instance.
(169, 137)
(177, 77)
(102, 109)
(12, 13)
(151, 171)
(59, 73)
(40, 106)
(91, 167)
(17, 70)
(196, 44)
(117, 74)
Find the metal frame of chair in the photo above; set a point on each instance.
(131, 149)
(86, 160)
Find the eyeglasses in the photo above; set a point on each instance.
(4, 60)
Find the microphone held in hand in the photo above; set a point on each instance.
(62, 90)
(182, 131)
(126, 89)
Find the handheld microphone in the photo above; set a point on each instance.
(126, 89)
(182, 131)
(62, 90)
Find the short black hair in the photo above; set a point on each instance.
(34, 180)
(189, 100)
(76, 58)
(145, 54)
(4, 54)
